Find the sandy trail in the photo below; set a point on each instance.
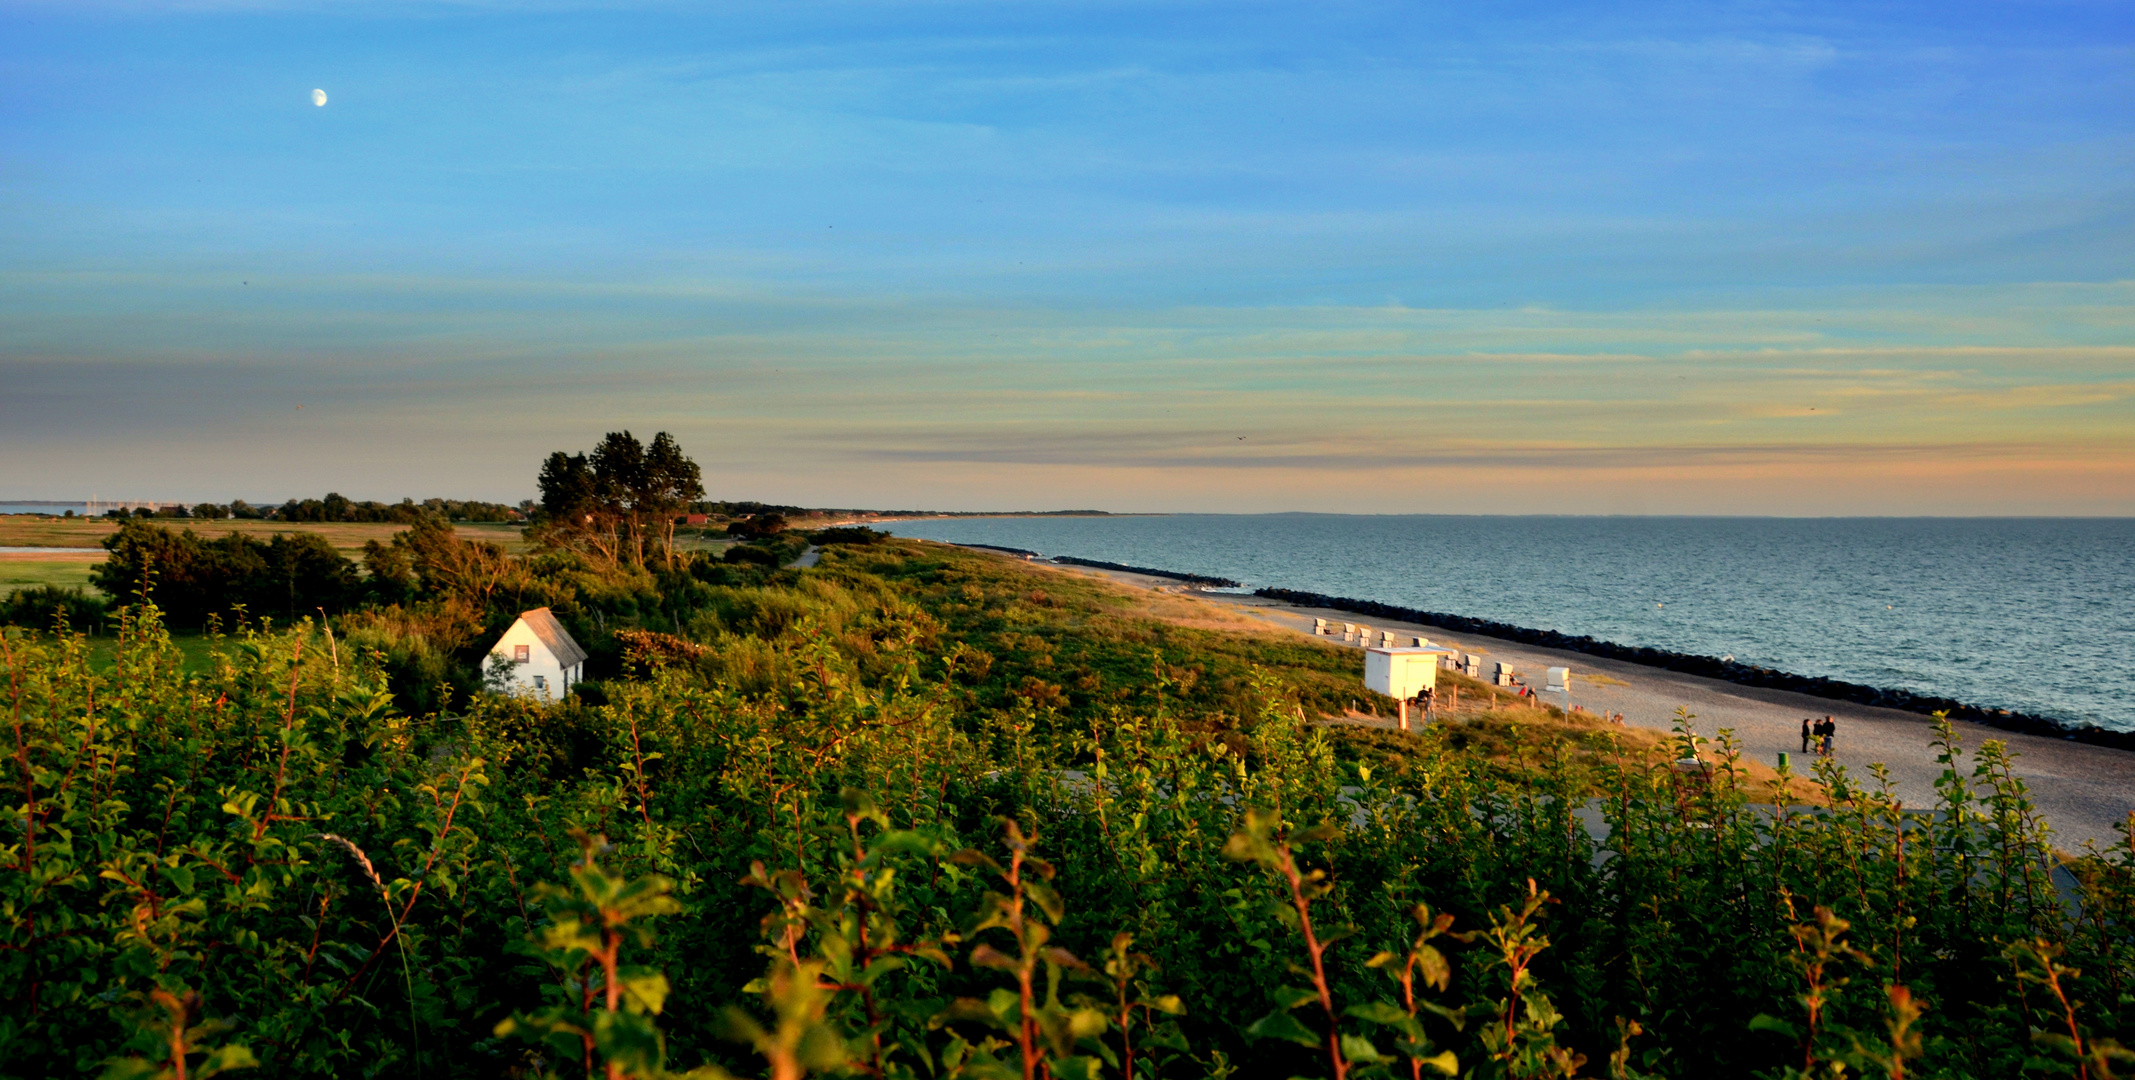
(2086, 792)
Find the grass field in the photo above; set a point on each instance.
(29, 530)
(30, 573)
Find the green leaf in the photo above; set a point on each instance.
(1317, 834)
(1281, 1025)
(902, 842)
(858, 803)
(1290, 997)
(1379, 1012)
(1166, 1037)
(822, 1049)
(1773, 1024)
(1059, 957)
(1390, 1015)
(1456, 1016)
(966, 1010)
(974, 857)
(1006, 1004)
(648, 991)
(1083, 1023)
(1444, 1062)
(1077, 1068)
(1244, 848)
(986, 956)
(1359, 1048)
(181, 877)
(2056, 1040)
(1048, 900)
(224, 1059)
(1431, 964)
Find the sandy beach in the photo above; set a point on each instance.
(2086, 792)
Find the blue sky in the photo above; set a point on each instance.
(1788, 258)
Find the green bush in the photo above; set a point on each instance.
(850, 534)
(44, 606)
(195, 579)
(752, 555)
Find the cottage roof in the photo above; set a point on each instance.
(552, 634)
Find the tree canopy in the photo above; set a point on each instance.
(620, 500)
(286, 576)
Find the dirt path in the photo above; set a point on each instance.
(2086, 792)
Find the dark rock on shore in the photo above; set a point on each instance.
(1021, 552)
(1712, 667)
(1190, 579)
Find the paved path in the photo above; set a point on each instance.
(2085, 791)
(808, 558)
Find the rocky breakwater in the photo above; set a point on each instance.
(1021, 553)
(1201, 580)
(1713, 667)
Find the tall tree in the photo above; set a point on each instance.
(672, 483)
(621, 497)
(570, 499)
(619, 476)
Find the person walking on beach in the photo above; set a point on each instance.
(1806, 734)
(1830, 736)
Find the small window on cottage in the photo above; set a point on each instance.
(541, 682)
(522, 654)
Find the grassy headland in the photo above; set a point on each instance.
(919, 811)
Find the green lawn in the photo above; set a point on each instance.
(30, 573)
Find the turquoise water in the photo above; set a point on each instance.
(2033, 614)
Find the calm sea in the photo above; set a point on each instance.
(54, 509)
(2035, 614)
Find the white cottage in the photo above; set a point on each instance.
(545, 660)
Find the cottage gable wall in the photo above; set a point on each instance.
(540, 674)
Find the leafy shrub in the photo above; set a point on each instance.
(848, 534)
(753, 555)
(43, 606)
(196, 579)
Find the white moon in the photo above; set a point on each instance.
(318, 97)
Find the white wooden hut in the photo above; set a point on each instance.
(545, 660)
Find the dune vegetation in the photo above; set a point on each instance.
(924, 812)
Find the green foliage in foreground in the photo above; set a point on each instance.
(852, 862)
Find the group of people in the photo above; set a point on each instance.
(1818, 735)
